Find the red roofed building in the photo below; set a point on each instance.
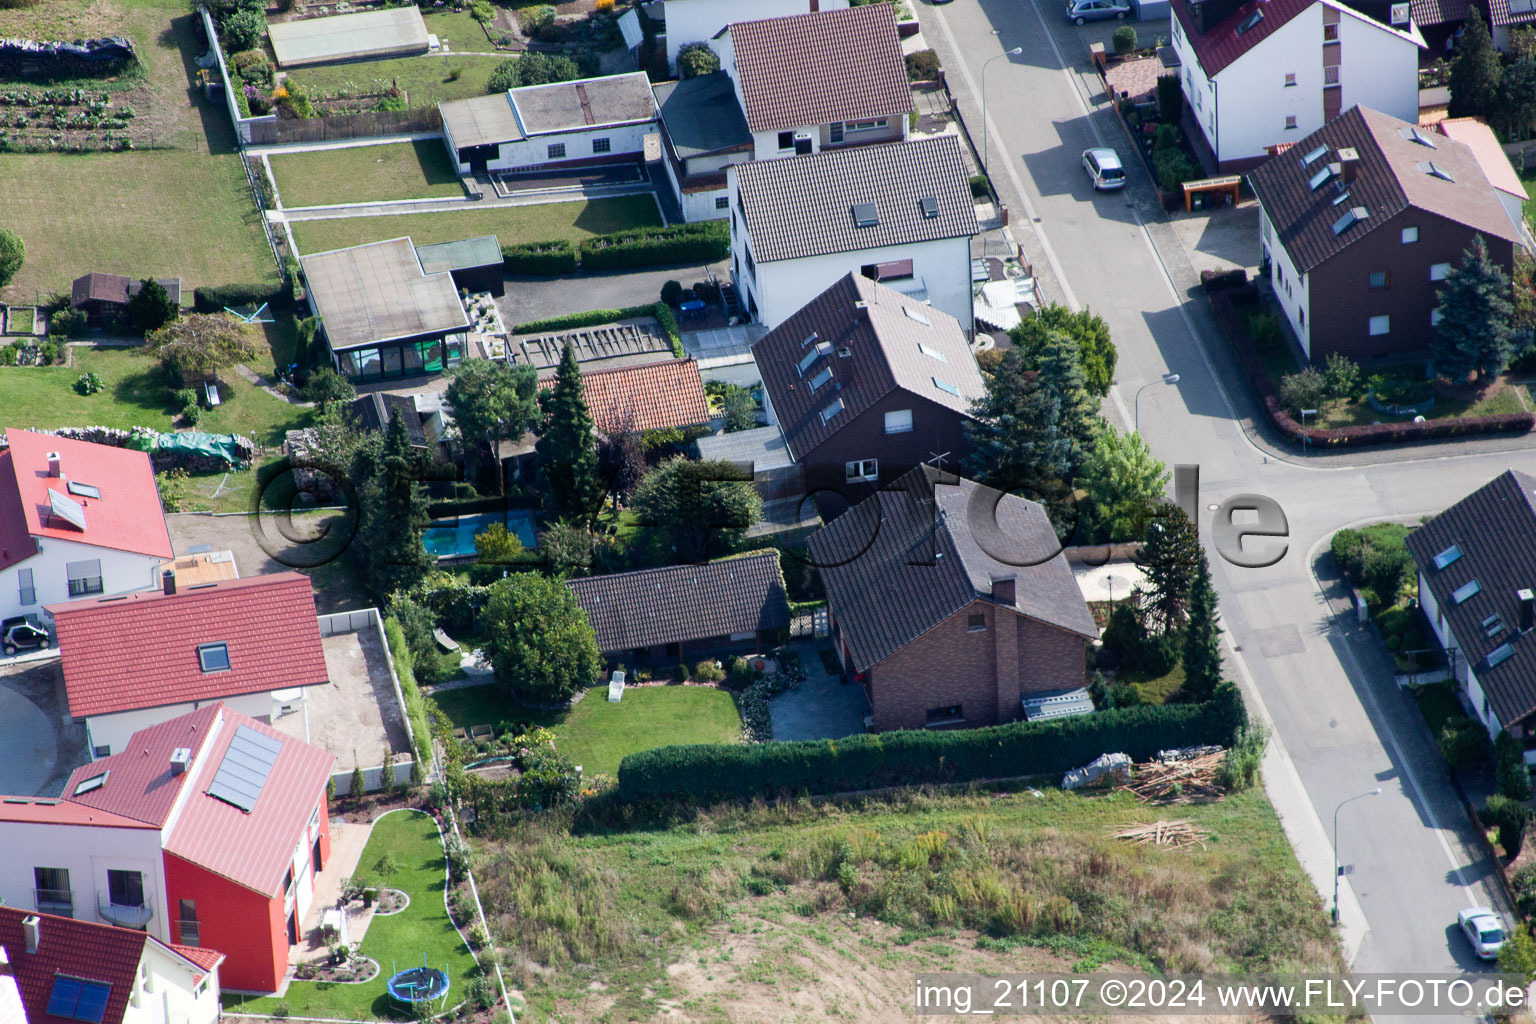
(76, 520)
(1258, 74)
(639, 398)
(137, 659)
(68, 970)
(207, 832)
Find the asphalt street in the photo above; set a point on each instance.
(1339, 718)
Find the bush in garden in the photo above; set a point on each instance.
(671, 293)
(1304, 390)
(1341, 376)
(708, 671)
(1524, 885)
(12, 253)
(679, 673)
(1512, 777)
(980, 187)
(1463, 741)
(243, 30)
(1124, 39)
(481, 11)
(1173, 168)
(88, 384)
(1510, 817)
(555, 257)
(68, 322)
(697, 59)
(923, 66)
(253, 68)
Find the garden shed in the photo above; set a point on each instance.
(370, 35)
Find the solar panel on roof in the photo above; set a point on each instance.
(93, 1001)
(66, 509)
(84, 490)
(245, 767)
(64, 997)
(78, 998)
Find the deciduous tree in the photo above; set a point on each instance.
(698, 510)
(697, 59)
(492, 400)
(541, 644)
(1096, 351)
(13, 252)
(201, 344)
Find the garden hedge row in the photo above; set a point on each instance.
(213, 298)
(665, 319)
(705, 242)
(1223, 303)
(870, 761)
(558, 257)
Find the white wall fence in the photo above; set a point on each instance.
(367, 620)
(231, 83)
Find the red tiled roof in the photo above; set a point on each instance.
(254, 849)
(1474, 133)
(207, 959)
(1222, 45)
(80, 949)
(140, 784)
(813, 69)
(638, 398)
(141, 650)
(62, 812)
(127, 516)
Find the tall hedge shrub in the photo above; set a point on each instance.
(557, 257)
(914, 757)
(213, 298)
(650, 247)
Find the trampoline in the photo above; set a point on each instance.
(418, 985)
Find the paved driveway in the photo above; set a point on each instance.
(40, 745)
(534, 298)
(820, 708)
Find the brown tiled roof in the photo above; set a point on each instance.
(681, 603)
(812, 69)
(1393, 176)
(1223, 44)
(1439, 12)
(882, 343)
(1494, 528)
(907, 558)
(1502, 12)
(803, 205)
(116, 288)
(639, 398)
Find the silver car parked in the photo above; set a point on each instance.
(1104, 169)
(1079, 11)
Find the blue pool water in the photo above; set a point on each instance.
(449, 537)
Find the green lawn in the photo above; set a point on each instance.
(1154, 689)
(1499, 399)
(427, 80)
(422, 928)
(596, 734)
(1528, 176)
(399, 170)
(510, 224)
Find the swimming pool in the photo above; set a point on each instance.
(456, 537)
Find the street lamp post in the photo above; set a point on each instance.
(984, 144)
(1168, 378)
(1304, 414)
(1336, 869)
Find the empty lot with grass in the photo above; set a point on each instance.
(360, 174)
(427, 80)
(510, 224)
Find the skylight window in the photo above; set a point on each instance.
(865, 215)
(1465, 592)
(931, 353)
(913, 314)
(78, 999)
(1313, 156)
(1250, 21)
(946, 387)
(1351, 217)
(94, 782)
(1434, 170)
(930, 205)
(1447, 556)
(808, 339)
(1341, 199)
(84, 490)
(213, 657)
(832, 409)
(1500, 654)
(1415, 135)
(66, 509)
(821, 378)
(1320, 179)
(807, 359)
(1492, 626)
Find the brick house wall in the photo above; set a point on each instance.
(985, 672)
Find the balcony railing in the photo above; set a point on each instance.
(121, 914)
(55, 901)
(188, 932)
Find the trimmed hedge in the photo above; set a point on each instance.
(1223, 304)
(213, 298)
(915, 757)
(705, 242)
(558, 257)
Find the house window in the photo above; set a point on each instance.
(187, 922)
(835, 132)
(602, 145)
(556, 150)
(862, 469)
(1331, 75)
(1380, 325)
(724, 203)
(946, 715)
(52, 892)
(104, 750)
(84, 577)
(1380, 279)
(1290, 78)
(1438, 271)
(125, 888)
(786, 140)
(1410, 235)
(976, 623)
(898, 422)
(1290, 121)
(1330, 33)
(213, 657)
(28, 591)
(863, 126)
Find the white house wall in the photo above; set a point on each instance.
(534, 151)
(113, 731)
(699, 206)
(943, 267)
(698, 21)
(121, 572)
(87, 853)
(1290, 287)
(167, 990)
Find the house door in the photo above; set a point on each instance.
(293, 927)
(316, 855)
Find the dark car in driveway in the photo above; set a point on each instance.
(23, 633)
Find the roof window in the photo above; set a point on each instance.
(84, 490)
(865, 215)
(931, 353)
(1464, 593)
(1351, 217)
(1500, 654)
(94, 782)
(913, 314)
(1250, 21)
(1320, 179)
(213, 657)
(1341, 199)
(1447, 556)
(1413, 134)
(833, 408)
(930, 205)
(808, 339)
(1313, 156)
(821, 378)
(1434, 170)
(946, 387)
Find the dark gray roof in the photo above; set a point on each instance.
(904, 560)
(885, 346)
(373, 412)
(764, 447)
(803, 205)
(702, 115)
(1391, 178)
(1495, 529)
(681, 603)
(463, 254)
(589, 103)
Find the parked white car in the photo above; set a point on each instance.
(1482, 928)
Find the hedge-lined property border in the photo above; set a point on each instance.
(663, 314)
(704, 242)
(1223, 304)
(410, 692)
(915, 757)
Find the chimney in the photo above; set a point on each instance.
(31, 929)
(1527, 609)
(1002, 590)
(55, 465)
(168, 581)
(181, 757)
(1349, 164)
